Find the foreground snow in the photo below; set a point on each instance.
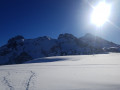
(86, 72)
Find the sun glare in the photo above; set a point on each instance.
(100, 14)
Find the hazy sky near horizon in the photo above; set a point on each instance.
(34, 18)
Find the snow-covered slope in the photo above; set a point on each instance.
(19, 50)
(79, 72)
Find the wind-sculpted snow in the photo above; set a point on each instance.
(78, 72)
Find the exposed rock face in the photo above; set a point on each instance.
(18, 49)
(23, 57)
(15, 41)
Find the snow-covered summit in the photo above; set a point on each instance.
(89, 35)
(44, 38)
(66, 36)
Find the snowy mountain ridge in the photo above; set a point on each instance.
(19, 50)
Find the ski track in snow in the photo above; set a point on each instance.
(7, 82)
(29, 80)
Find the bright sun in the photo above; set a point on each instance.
(100, 14)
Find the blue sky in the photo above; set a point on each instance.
(34, 18)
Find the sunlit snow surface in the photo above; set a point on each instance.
(85, 72)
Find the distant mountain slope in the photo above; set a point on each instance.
(97, 41)
(19, 50)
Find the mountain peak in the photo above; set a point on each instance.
(66, 36)
(16, 38)
(44, 38)
(89, 35)
(96, 41)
